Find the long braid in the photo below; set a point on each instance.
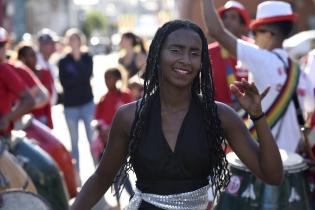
(219, 175)
(202, 84)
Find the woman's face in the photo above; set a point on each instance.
(125, 43)
(180, 58)
(263, 36)
(74, 41)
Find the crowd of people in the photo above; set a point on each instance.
(170, 112)
(32, 84)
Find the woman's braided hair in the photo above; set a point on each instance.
(202, 85)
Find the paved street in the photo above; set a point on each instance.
(101, 63)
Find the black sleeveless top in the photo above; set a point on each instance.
(159, 170)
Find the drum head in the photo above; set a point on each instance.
(292, 162)
(235, 162)
(22, 200)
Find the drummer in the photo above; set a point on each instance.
(12, 89)
(27, 57)
(269, 65)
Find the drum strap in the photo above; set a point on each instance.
(282, 101)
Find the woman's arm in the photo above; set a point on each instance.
(111, 161)
(216, 28)
(262, 159)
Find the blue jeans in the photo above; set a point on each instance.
(73, 115)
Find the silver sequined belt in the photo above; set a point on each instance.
(194, 200)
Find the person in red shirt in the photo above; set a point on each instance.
(27, 55)
(236, 19)
(110, 102)
(13, 91)
(104, 114)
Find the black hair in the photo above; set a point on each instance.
(135, 40)
(203, 85)
(284, 28)
(114, 71)
(22, 51)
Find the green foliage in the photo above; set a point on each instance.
(94, 21)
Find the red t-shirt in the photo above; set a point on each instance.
(224, 69)
(46, 79)
(11, 86)
(43, 114)
(109, 103)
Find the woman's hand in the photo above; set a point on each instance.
(248, 96)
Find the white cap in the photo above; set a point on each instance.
(273, 11)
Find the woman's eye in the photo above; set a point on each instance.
(174, 50)
(195, 53)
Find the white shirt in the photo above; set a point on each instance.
(266, 69)
(53, 69)
(310, 66)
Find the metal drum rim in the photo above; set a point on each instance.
(38, 196)
(289, 169)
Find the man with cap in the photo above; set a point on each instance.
(268, 65)
(12, 89)
(236, 19)
(47, 46)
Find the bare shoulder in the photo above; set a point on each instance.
(227, 116)
(225, 111)
(125, 116)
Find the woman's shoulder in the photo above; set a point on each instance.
(126, 114)
(87, 54)
(226, 113)
(64, 58)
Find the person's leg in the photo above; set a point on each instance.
(72, 120)
(87, 114)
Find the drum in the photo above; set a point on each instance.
(43, 171)
(15, 199)
(12, 175)
(48, 141)
(247, 192)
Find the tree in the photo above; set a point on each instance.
(94, 21)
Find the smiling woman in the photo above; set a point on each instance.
(172, 137)
(180, 60)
